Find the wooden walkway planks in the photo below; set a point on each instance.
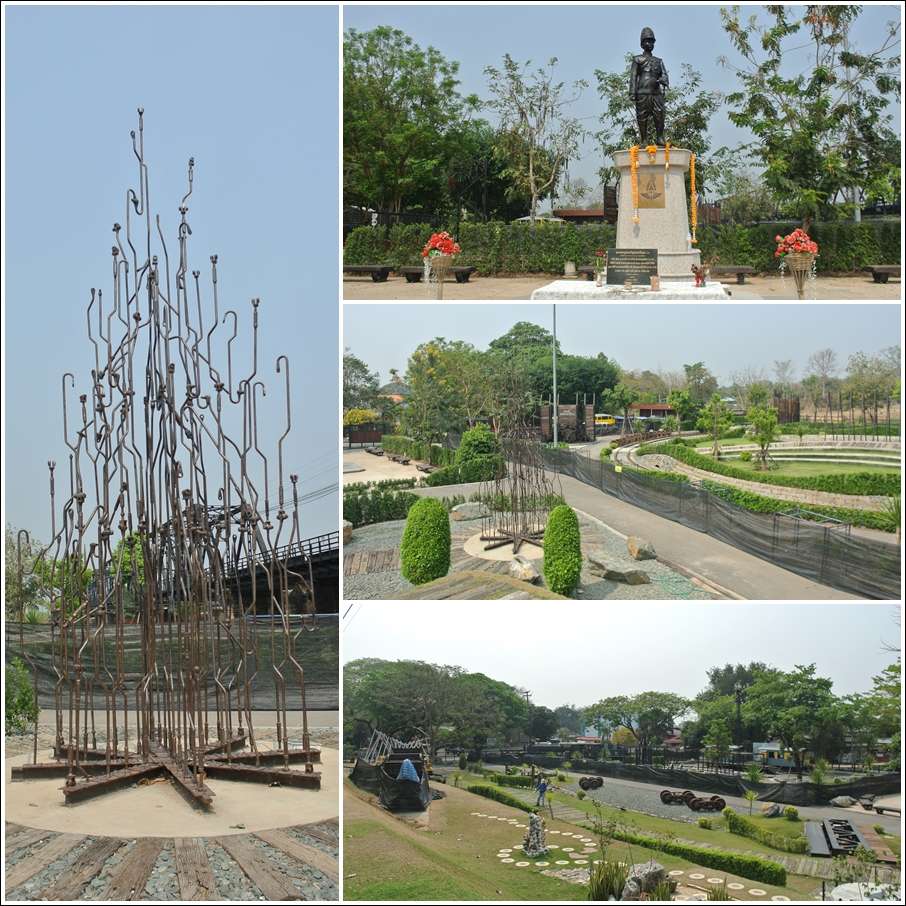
(87, 865)
(26, 869)
(317, 832)
(127, 880)
(309, 855)
(272, 883)
(196, 880)
(26, 838)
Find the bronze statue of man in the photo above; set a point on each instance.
(648, 83)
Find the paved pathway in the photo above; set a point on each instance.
(742, 574)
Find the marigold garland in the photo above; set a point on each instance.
(693, 198)
(652, 153)
(634, 180)
(667, 156)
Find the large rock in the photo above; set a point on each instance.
(464, 512)
(629, 576)
(347, 531)
(843, 801)
(640, 548)
(643, 878)
(772, 810)
(524, 570)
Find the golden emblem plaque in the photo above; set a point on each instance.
(651, 187)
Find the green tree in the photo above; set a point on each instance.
(360, 383)
(649, 716)
(683, 405)
(798, 708)
(690, 110)
(543, 722)
(531, 107)
(823, 132)
(699, 382)
(401, 110)
(619, 399)
(764, 431)
(717, 741)
(715, 418)
(435, 405)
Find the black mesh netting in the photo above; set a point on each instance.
(316, 651)
(824, 553)
(787, 793)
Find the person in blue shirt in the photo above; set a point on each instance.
(542, 789)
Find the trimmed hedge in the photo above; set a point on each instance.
(756, 503)
(752, 867)
(501, 796)
(517, 780)
(365, 507)
(481, 468)
(737, 824)
(562, 550)
(425, 548)
(434, 454)
(861, 483)
(496, 248)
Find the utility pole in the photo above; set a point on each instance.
(556, 417)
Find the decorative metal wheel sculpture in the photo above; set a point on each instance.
(155, 469)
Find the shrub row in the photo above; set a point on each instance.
(481, 468)
(501, 796)
(737, 824)
(376, 505)
(518, 780)
(434, 454)
(861, 483)
(385, 484)
(756, 503)
(843, 429)
(752, 867)
(496, 248)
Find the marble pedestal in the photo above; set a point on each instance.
(665, 228)
(670, 291)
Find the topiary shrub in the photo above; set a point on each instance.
(477, 441)
(425, 549)
(20, 698)
(745, 456)
(791, 813)
(562, 551)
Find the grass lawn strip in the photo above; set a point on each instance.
(459, 852)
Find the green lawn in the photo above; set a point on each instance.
(827, 467)
(454, 855)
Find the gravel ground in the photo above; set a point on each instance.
(229, 879)
(311, 884)
(315, 842)
(162, 883)
(95, 888)
(597, 540)
(31, 888)
(645, 801)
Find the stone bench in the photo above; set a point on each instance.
(414, 274)
(378, 272)
(424, 467)
(741, 271)
(881, 273)
(374, 451)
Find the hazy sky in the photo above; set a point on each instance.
(251, 93)
(585, 38)
(599, 648)
(725, 337)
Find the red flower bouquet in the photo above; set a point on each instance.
(441, 244)
(798, 242)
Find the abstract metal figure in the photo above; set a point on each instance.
(154, 467)
(648, 83)
(520, 497)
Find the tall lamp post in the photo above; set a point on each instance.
(555, 412)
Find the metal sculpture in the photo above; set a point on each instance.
(696, 803)
(155, 472)
(520, 495)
